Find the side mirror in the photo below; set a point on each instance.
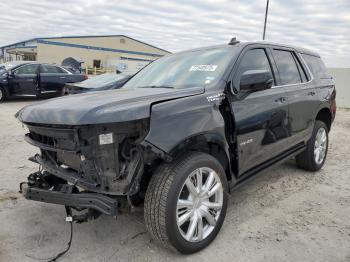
(256, 80)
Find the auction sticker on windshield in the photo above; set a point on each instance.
(205, 68)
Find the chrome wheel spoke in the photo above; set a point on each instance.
(213, 205)
(191, 187)
(181, 203)
(191, 228)
(214, 189)
(199, 179)
(209, 181)
(209, 217)
(182, 219)
(200, 227)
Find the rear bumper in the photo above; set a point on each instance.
(99, 202)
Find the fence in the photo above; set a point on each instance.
(97, 71)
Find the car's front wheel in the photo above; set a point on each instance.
(186, 202)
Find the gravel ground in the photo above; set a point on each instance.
(284, 215)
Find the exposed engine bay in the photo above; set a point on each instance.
(104, 159)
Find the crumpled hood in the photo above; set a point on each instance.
(110, 106)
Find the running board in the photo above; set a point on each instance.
(266, 166)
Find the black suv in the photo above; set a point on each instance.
(180, 135)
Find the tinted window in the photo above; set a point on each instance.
(302, 72)
(287, 67)
(27, 69)
(51, 69)
(254, 59)
(316, 65)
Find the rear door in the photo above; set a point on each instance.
(52, 79)
(302, 99)
(261, 117)
(24, 80)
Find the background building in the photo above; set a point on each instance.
(108, 51)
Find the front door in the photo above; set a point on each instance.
(52, 79)
(24, 80)
(261, 117)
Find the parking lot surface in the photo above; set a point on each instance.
(286, 214)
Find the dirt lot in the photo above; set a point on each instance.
(284, 215)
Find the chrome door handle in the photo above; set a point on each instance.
(63, 77)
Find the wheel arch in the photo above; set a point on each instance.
(209, 143)
(325, 115)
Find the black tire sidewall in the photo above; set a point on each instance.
(175, 238)
(3, 94)
(318, 125)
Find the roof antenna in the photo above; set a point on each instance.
(266, 11)
(233, 41)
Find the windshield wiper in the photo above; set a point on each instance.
(156, 86)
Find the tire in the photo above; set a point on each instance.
(307, 159)
(163, 195)
(2, 95)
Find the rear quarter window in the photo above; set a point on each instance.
(316, 66)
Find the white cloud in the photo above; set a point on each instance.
(322, 25)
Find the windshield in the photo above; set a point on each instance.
(102, 80)
(189, 69)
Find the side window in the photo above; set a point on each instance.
(316, 65)
(27, 70)
(255, 59)
(287, 67)
(50, 69)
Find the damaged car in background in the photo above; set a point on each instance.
(180, 135)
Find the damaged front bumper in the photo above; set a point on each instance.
(66, 195)
(82, 156)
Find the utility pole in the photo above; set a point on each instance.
(267, 9)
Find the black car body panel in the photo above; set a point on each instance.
(28, 78)
(113, 140)
(110, 106)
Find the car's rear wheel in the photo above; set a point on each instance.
(2, 95)
(186, 202)
(314, 156)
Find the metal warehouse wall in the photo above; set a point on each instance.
(342, 85)
(95, 48)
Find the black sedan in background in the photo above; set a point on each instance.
(97, 83)
(30, 78)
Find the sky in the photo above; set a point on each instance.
(321, 25)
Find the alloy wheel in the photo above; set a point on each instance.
(320, 148)
(199, 204)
